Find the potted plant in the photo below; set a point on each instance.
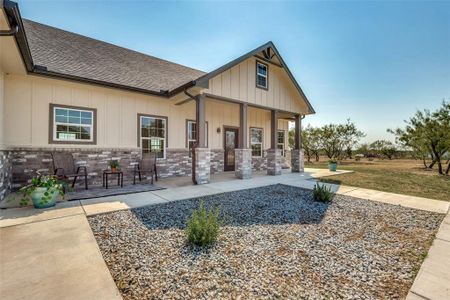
(43, 191)
(114, 164)
(332, 165)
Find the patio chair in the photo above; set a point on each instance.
(146, 165)
(64, 168)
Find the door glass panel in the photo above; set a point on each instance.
(230, 137)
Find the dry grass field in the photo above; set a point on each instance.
(403, 176)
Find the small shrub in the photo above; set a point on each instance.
(203, 226)
(322, 193)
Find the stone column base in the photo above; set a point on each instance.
(243, 163)
(274, 162)
(202, 165)
(297, 161)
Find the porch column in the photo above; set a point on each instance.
(243, 155)
(297, 160)
(273, 154)
(202, 156)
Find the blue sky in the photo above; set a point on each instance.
(374, 62)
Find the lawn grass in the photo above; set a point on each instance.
(401, 176)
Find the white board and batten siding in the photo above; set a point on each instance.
(239, 83)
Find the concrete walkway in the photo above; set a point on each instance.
(52, 253)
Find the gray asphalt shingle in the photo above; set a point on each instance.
(76, 55)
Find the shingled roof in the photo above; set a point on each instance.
(68, 53)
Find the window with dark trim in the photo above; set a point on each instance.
(191, 134)
(153, 135)
(280, 141)
(256, 140)
(262, 71)
(72, 125)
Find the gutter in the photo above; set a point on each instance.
(41, 70)
(10, 32)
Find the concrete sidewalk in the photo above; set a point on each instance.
(52, 253)
(53, 259)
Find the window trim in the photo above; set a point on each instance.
(262, 140)
(283, 153)
(51, 136)
(166, 144)
(267, 75)
(187, 133)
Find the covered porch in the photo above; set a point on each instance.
(239, 146)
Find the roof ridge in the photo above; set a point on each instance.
(111, 44)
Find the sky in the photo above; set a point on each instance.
(375, 62)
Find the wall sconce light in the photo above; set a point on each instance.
(218, 129)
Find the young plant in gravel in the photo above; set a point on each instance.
(203, 226)
(322, 193)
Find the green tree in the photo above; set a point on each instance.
(311, 142)
(363, 149)
(428, 134)
(337, 139)
(384, 148)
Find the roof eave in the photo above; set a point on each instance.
(14, 19)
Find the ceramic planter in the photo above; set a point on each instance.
(332, 166)
(39, 192)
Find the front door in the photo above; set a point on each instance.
(231, 136)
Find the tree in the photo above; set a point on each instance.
(337, 139)
(428, 134)
(384, 148)
(311, 142)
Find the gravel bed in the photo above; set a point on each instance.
(276, 242)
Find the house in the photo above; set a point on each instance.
(61, 91)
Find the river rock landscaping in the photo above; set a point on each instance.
(275, 242)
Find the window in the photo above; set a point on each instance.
(153, 135)
(191, 134)
(261, 75)
(72, 124)
(280, 141)
(256, 141)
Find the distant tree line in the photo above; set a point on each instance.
(426, 136)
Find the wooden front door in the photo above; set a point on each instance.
(231, 138)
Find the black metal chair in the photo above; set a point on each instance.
(64, 168)
(146, 165)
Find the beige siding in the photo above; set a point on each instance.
(2, 145)
(239, 83)
(26, 113)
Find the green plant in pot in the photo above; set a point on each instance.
(332, 165)
(114, 165)
(43, 191)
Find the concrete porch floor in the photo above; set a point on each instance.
(309, 173)
(52, 253)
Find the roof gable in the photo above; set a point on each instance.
(266, 53)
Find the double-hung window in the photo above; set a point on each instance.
(256, 139)
(280, 141)
(72, 124)
(191, 134)
(153, 135)
(262, 75)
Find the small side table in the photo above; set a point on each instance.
(119, 177)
